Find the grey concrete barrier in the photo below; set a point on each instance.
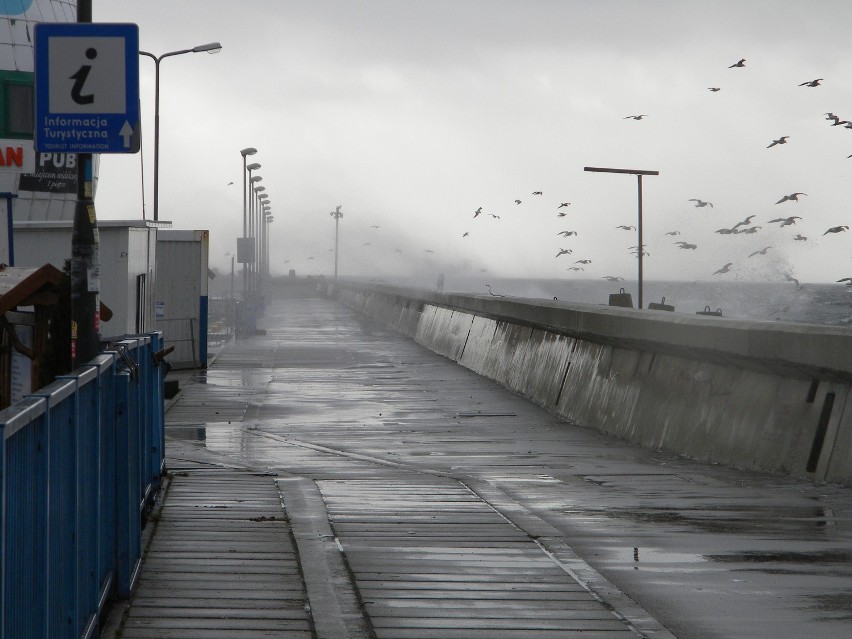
(758, 395)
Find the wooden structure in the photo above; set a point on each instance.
(34, 291)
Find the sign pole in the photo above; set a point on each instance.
(85, 253)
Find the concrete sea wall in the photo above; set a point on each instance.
(756, 395)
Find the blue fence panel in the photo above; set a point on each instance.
(79, 463)
(25, 473)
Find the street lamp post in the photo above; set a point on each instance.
(212, 47)
(336, 214)
(258, 198)
(246, 204)
(640, 250)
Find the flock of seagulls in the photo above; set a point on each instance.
(747, 226)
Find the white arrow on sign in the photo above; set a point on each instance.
(126, 133)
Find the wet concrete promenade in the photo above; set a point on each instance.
(334, 479)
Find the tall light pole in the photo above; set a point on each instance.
(336, 214)
(253, 231)
(640, 250)
(212, 47)
(246, 203)
(267, 221)
(259, 198)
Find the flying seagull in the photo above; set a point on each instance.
(496, 217)
(564, 252)
(741, 63)
(536, 192)
(583, 262)
(811, 83)
(673, 233)
(563, 204)
(801, 238)
(836, 229)
(375, 226)
(635, 117)
(561, 214)
(725, 231)
(230, 183)
(848, 280)
(517, 201)
(567, 233)
(714, 89)
(761, 251)
(477, 211)
(613, 278)
(750, 230)
(575, 268)
(700, 203)
(781, 140)
(625, 227)
(786, 221)
(792, 197)
(724, 269)
(745, 222)
(465, 234)
(687, 245)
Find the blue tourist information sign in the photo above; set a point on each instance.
(86, 87)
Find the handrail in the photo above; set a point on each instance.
(77, 459)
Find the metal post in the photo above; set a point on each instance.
(641, 246)
(10, 226)
(85, 253)
(336, 214)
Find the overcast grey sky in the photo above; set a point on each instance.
(412, 115)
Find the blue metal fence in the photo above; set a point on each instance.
(80, 461)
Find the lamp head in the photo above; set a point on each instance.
(211, 47)
(253, 166)
(248, 151)
(256, 178)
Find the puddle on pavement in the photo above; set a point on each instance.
(659, 560)
(824, 557)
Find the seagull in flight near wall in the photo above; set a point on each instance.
(673, 233)
(613, 278)
(761, 251)
(687, 245)
(724, 269)
(811, 83)
(700, 203)
(564, 252)
(625, 227)
(836, 229)
(782, 140)
(793, 197)
(741, 63)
